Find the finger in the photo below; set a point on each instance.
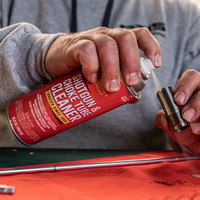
(69, 52)
(161, 121)
(195, 127)
(55, 60)
(191, 111)
(149, 45)
(186, 86)
(88, 59)
(108, 56)
(128, 54)
(185, 137)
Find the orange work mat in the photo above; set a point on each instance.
(179, 180)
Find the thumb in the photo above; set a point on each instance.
(161, 121)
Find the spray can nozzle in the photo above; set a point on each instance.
(146, 69)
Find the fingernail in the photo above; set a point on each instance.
(180, 97)
(157, 60)
(113, 86)
(196, 128)
(133, 79)
(189, 114)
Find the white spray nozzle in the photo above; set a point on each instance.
(146, 66)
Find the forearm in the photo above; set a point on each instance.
(22, 53)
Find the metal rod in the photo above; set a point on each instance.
(122, 163)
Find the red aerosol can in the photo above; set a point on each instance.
(66, 102)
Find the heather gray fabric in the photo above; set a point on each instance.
(23, 46)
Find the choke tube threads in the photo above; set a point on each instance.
(171, 109)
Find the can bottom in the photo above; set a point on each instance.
(12, 128)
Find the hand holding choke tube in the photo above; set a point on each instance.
(171, 109)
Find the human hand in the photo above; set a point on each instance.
(103, 50)
(187, 95)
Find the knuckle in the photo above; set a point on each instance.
(151, 43)
(102, 29)
(197, 102)
(87, 47)
(89, 70)
(108, 43)
(127, 36)
(111, 67)
(192, 73)
(156, 48)
(144, 31)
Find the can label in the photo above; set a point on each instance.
(60, 105)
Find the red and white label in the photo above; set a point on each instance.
(60, 105)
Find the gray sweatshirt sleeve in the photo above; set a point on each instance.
(191, 58)
(22, 52)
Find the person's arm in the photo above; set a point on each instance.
(22, 52)
(29, 58)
